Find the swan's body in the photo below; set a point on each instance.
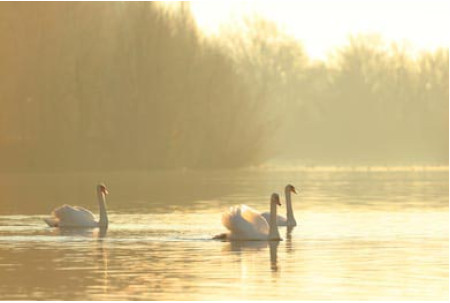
(76, 216)
(245, 223)
(281, 221)
(289, 220)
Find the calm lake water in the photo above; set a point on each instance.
(378, 234)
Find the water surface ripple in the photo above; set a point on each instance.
(379, 235)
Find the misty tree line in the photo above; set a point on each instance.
(372, 102)
(117, 86)
(133, 86)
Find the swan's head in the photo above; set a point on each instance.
(275, 198)
(290, 189)
(102, 188)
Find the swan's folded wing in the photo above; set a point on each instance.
(232, 218)
(245, 223)
(255, 219)
(87, 214)
(74, 216)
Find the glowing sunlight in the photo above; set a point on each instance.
(224, 150)
(324, 24)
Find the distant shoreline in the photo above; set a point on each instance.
(256, 168)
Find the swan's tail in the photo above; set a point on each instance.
(52, 222)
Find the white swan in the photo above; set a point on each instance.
(76, 216)
(282, 221)
(244, 223)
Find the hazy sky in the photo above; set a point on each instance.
(324, 24)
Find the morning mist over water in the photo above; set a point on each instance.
(164, 151)
(137, 86)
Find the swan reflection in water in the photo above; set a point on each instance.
(273, 255)
(99, 233)
(289, 230)
(102, 255)
(240, 246)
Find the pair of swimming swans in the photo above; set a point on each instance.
(245, 223)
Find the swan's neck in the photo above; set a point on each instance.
(273, 227)
(103, 222)
(290, 213)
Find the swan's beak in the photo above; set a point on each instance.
(293, 190)
(278, 202)
(105, 191)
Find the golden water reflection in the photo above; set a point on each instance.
(67, 265)
(342, 249)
